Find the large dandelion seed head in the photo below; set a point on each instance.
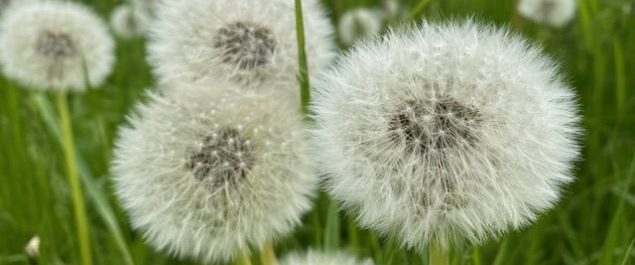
(249, 42)
(313, 257)
(55, 45)
(556, 13)
(446, 132)
(205, 173)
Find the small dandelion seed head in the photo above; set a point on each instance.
(55, 45)
(468, 140)
(360, 23)
(556, 13)
(204, 184)
(127, 22)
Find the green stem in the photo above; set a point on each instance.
(418, 10)
(74, 181)
(243, 259)
(437, 255)
(305, 93)
(268, 254)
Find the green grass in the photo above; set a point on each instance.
(593, 224)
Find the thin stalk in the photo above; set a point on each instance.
(305, 93)
(437, 256)
(74, 181)
(268, 254)
(418, 10)
(476, 256)
(243, 259)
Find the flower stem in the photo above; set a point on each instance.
(243, 259)
(305, 93)
(437, 256)
(268, 254)
(74, 181)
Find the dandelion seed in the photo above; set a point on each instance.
(208, 173)
(55, 45)
(313, 257)
(126, 23)
(446, 132)
(556, 13)
(360, 23)
(246, 42)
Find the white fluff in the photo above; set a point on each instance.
(207, 173)
(556, 13)
(249, 42)
(47, 45)
(360, 23)
(126, 22)
(313, 257)
(446, 132)
(6, 4)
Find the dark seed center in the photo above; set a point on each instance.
(245, 45)
(55, 45)
(434, 124)
(224, 157)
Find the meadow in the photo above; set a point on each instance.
(594, 222)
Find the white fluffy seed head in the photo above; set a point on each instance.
(447, 132)
(55, 45)
(126, 22)
(313, 257)
(556, 13)
(360, 23)
(207, 173)
(247, 42)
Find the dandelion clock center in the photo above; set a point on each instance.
(55, 45)
(245, 45)
(223, 156)
(434, 124)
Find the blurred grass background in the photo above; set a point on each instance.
(593, 224)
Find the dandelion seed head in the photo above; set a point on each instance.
(55, 45)
(205, 172)
(127, 22)
(360, 23)
(445, 132)
(556, 13)
(239, 42)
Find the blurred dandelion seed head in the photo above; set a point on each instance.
(127, 22)
(55, 45)
(360, 23)
(556, 13)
